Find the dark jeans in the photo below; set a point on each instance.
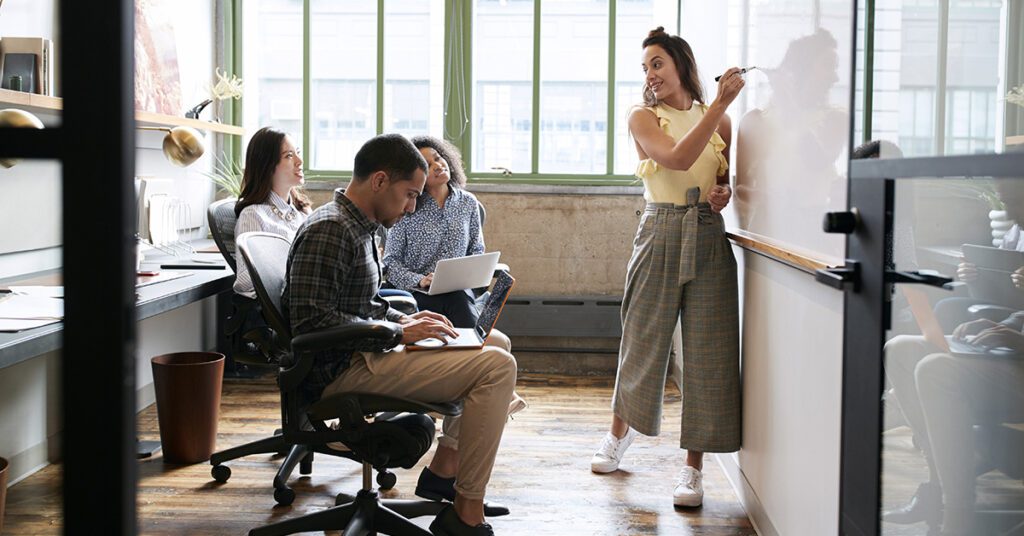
(458, 306)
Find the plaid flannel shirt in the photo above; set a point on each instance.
(333, 278)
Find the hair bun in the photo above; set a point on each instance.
(659, 31)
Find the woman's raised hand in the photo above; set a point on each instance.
(729, 86)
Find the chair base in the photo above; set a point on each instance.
(295, 455)
(366, 514)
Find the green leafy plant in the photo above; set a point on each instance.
(227, 175)
(975, 188)
(1016, 96)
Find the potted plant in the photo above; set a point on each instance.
(999, 222)
(227, 175)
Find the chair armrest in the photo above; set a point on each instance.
(330, 407)
(403, 304)
(331, 337)
(995, 313)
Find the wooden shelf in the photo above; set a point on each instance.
(1015, 140)
(40, 102)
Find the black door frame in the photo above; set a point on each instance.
(95, 146)
(865, 318)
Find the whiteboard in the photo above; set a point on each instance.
(791, 124)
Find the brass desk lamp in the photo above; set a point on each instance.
(182, 145)
(14, 118)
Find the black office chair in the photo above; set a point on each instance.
(380, 444)
(275, 347)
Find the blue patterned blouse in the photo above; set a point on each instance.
(430, 234)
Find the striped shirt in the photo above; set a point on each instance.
(333, 279)
(431, 234)
(262, 217)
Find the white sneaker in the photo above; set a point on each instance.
(516, 405)
(610, 454)
(336, 445)
(689, 488)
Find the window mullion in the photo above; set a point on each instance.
(610, 122)
(380, 67)
(535, 120)
(307, 87)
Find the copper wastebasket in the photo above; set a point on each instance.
(187, 386)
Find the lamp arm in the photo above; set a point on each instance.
(196, 110)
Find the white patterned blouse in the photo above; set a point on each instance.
(275, 215)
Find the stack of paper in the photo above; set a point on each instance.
(18, 312)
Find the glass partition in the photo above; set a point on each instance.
(946, 77)
(953, 404)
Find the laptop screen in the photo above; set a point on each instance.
(499, 293)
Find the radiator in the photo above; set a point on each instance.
(562, 316)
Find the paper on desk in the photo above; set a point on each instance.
(42, 291)
(17, 307)
(11, 325)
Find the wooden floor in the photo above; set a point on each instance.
(542, 474)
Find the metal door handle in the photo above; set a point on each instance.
(841, 276)
(933, 279)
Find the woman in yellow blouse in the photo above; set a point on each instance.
(682, 267)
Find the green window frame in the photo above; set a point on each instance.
(458, 16)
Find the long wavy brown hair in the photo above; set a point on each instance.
(682, 55)
(261, 158)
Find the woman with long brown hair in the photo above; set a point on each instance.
(271, 199)
(682, 268)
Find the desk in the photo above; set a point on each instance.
(152, 300)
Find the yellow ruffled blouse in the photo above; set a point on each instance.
(664, 185)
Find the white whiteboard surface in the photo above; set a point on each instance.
(791, 124)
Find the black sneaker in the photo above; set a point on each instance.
(925, 505)
(434, 488)
(447, 523)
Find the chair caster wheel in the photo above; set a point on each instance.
(284, 496)
(220, 473)
(386, 480)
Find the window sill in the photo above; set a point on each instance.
(538, 189)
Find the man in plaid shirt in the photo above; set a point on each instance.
(333, 279)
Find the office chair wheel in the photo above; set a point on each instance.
(284, 496)
(220, 473)
(386, 479)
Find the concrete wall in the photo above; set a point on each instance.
(560, 244)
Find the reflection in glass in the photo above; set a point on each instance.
(791, 147)
(954, 399)
(942, 74)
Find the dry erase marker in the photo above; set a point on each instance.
(742, 71)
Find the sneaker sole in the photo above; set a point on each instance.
(687, 502)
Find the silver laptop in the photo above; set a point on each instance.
(460, 273)
(476, 336)
(967, 348)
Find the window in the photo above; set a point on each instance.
(502, 86)
(532, 86)
(273, 66)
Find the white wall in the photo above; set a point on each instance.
(30, 239)
(787, 472)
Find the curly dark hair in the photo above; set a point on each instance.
(450, 153)
(682, 55)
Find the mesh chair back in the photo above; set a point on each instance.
(266, 257)
(221, 217)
